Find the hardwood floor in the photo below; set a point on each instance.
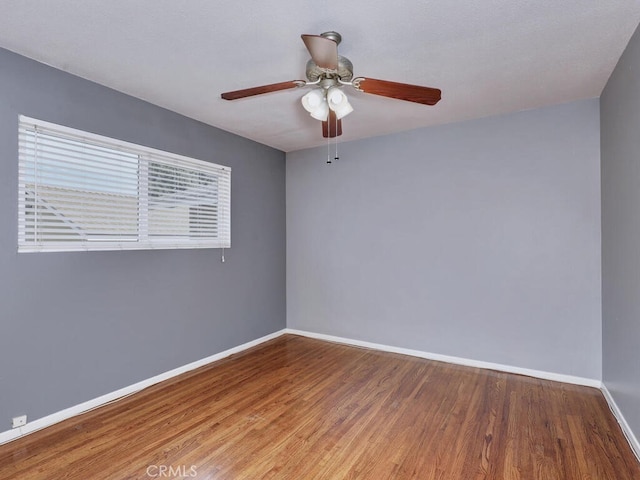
(297, 408)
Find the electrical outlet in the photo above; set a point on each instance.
(19, 421)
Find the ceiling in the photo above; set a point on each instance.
(488, 57)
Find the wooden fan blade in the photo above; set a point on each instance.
(274, 87)
(332, 127)
(401, 91)
(323, 51)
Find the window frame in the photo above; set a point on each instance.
(146, 156)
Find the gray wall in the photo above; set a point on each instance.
(478, 239)
(620, 120)
(74, 326)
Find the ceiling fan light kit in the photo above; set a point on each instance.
(329, 73)
(318, 102)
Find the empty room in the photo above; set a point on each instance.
(320, 240)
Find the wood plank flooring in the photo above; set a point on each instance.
(297, 408)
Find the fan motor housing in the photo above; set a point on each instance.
(344, 71)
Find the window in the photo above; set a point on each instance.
(80, 191)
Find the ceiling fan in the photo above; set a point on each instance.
(329, 72)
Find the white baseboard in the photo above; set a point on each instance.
(558, 377)
(49, 420)
(626, 428)
(56, 417)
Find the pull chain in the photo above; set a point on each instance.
(328, 141)
(336, 131)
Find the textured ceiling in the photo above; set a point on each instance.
(488, 57)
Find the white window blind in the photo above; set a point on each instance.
(80, 191)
